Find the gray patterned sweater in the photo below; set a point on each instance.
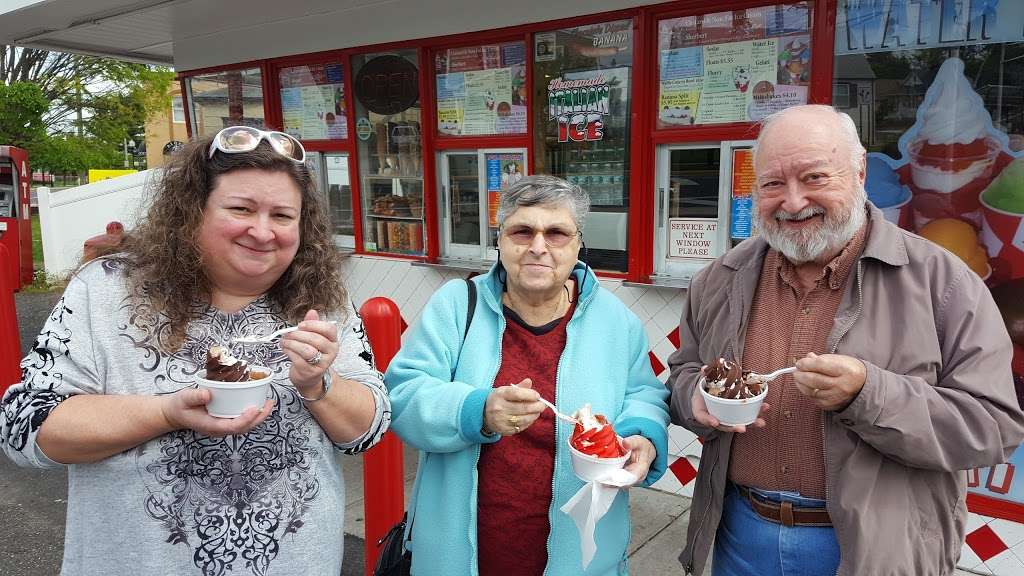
(270, 502)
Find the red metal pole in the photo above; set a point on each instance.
(10, 340)
(383, 479)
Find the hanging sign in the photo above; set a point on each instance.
(579, 107)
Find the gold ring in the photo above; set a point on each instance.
(513, 420)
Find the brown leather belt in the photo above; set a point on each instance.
(785, 513)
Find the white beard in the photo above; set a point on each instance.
(801, 246)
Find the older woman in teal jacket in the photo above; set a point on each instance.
(494, 465)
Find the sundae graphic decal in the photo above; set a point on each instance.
(579, 107)
(958, 183)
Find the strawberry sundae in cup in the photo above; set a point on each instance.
(953, 153)
(596, 450)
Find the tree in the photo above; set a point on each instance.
(22, 106)
(91, 106)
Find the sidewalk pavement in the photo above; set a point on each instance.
(32, 502)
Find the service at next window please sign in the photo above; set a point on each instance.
(693, 238)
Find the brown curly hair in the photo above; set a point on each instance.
(165, 264)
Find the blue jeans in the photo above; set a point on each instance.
(748, 545)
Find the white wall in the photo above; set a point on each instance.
(71, 216)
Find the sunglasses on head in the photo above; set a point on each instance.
(555, 237)
(238, 139)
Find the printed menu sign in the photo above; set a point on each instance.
(693, 238)
(481, 90)
(503, 170)
(743, 181)
(313, 101)
(736, 66)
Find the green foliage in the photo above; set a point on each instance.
(22, 106)
(74, 112)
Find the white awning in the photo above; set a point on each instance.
(191, 34)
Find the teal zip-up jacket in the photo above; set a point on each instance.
(438, 389)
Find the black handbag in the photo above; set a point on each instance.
(394, 559)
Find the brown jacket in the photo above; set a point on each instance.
(938, 399)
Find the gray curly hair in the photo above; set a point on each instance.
(540, 190)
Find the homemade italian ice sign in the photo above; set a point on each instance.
(732, 395)
(234, 385)
(726, 379)
(594, 435)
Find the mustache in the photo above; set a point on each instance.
(801, 215)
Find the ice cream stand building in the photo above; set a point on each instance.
(417, 114)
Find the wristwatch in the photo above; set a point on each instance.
(327, 386)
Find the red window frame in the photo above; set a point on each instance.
(820, 92)
(643, 142)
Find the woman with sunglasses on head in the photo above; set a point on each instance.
(495, 468)
(236, 242)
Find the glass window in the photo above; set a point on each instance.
(177, 110)
(735, 66)
(387, 101)
(313, 101)
(230, 98)
(481, 90)
(941, 112)
(582, 134)
(841, 95)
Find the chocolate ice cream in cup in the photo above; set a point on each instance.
(733, 411)
(233, 384)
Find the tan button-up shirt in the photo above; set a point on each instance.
(787, 322)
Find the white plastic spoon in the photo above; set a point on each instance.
(772, 375)
(565, 417)
(268, 337)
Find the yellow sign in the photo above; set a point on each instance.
(97, 175)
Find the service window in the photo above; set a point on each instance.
(703, 205)
(228, 98)
(387, 127)
(330, 171)
(481, 90)
(584, 74)
(471, 182)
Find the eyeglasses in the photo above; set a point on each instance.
(238, 139)
(554, 237)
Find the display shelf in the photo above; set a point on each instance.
(406, 218)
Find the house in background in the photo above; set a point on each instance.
(164, 130)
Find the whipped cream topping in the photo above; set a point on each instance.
(956, 114)
(587, 419)
(223, 356)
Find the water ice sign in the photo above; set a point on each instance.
(693, 238)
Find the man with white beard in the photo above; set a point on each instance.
(903, 376)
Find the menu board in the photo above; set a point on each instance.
(481, 90)
(313, 101)
(736, 66)
(742, 203)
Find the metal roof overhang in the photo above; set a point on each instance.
(193, 34)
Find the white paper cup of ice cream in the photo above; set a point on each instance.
(230, 399)
(588, 468)
(733, 411)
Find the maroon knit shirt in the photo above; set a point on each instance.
(785, 324)
(515, 473)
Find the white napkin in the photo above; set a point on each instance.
(591, 503)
